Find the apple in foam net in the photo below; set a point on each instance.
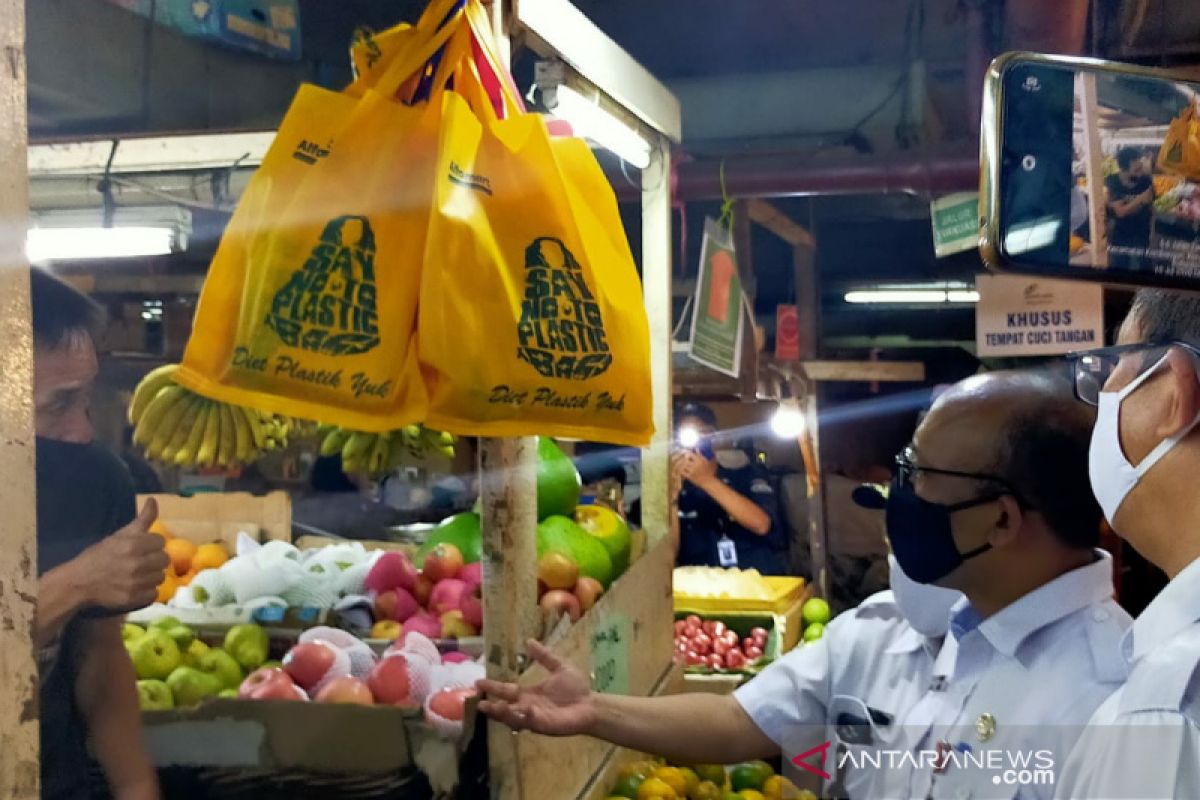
(270, 683)
(391, 683)
(345, 689)
(308, 662)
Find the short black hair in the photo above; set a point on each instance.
(1126, 156)
(699, 411)
(1166, 316)
(1045, 458)
(60, 312)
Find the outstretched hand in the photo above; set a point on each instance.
(561, 705)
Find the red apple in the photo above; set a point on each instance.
(588, 591)
(734, 659)
(472, 609)
(707, 626)
(424, 623)
(345, 689)
(694, 659)
(718, 629)
(732, 638)
(448, 595)
(395, 604)
(422, 590)
(759, 633)
(680, 626)
(720, 647)
(451, 703)
(682, 647)
(259, 677)
(472, 573)
(390, 683)
(702, 643)
(444, 561)
(308, 662)
(455, 657)
(270, 683)
(408, 574)
(716, 662)
(557, 602)
(748, 642)
(753, 653)
(388, 572)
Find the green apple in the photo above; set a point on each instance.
(166, 622)
(154, 654)
(190, 686)
(129, 631)
(228, 694)
(218, 663)
(154, 696)
(191, 656)
(183, 635)
(248, 644)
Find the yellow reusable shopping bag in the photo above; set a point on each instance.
(1180, 151)
(531, 316)
(309, 308)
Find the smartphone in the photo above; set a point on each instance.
(1089, 172)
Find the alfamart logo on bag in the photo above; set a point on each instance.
(561, 333)
(329, 306)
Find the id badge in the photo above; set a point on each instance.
(727, 552)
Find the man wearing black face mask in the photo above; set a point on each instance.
(95, 562)
(727, 505)
(992, 498)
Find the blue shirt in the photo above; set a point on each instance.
(1145, 740)
(703, 522)
(1020, 684)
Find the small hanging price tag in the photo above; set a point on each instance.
(610, 655)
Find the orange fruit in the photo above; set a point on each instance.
(186, 578)
(181, 552)
(168, 587)
(674, 778)
(209, 556)
(158, 527)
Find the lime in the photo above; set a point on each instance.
(706, 790)
(813, 632)
(815, 610)
(751, 775)
(750, 794)
(714, 773)
(558, 484)
(691, 778)
(627, 786)
(610, 530)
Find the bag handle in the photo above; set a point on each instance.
(409, 63)
(509, 95)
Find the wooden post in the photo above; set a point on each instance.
(1093, 162)
(19, 767)
(657, 507)
(808, 301)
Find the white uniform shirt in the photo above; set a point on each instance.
(1144, 742)
(870, 659)
(1011, 694)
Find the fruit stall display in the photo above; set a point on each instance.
(654, 779)
(730, 624)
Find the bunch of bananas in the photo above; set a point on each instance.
(176, 426)
(380, 453)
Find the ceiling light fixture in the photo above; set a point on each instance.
(134, 233)
(788, 420)
(913, 295)
(590, 120)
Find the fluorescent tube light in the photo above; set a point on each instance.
(61, 244)
(912, 296)
(590, 121)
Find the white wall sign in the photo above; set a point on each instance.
(1028, 316)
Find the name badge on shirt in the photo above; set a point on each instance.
(727, 552)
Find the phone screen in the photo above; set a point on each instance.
(1099, 174)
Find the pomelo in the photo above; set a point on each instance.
(610, 530)
(461, 530)
(559, 534)
(558, 483)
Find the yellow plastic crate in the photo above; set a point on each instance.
(782, 592)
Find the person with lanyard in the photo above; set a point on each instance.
(990, 500)
(1130, 203)
(96, 559)
(1144, 742)
(727, 507)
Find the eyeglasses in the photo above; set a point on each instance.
(1093, 368)
(907, 467)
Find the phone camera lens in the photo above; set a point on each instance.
(1028, 163)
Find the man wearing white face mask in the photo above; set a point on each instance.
(1144, 742)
